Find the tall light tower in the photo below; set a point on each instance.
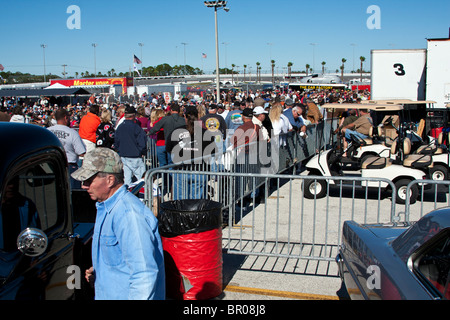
(140, 44)
(95, 60)
(314, 55)
(43, 46)
(217, 5)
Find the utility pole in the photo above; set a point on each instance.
(43, 46)
(64, 70)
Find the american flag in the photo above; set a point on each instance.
(1, 67)
(136, 59)
(204, 55)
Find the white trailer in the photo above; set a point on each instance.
(438, 72)
(398, 74)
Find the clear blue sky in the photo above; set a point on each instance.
(254, 30)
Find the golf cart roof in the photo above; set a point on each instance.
(398, 102)
(358, 106)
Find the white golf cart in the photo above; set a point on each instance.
(437, 148)
(328, 164)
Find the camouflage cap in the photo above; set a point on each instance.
(98, 160)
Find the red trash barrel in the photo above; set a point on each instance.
(191, 233)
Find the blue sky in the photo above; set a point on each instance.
(254, 30)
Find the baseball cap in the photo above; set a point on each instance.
(259, 110)
(130, 110)
(247, 112)
(98, 160)
(289, 102)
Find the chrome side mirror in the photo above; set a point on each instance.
(32, 242)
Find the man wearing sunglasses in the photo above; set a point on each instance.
(127, 254)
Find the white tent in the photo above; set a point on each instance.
(56, 86)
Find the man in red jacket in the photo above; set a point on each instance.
(88, 127)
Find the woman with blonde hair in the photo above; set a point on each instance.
(280, 123)
(105, 131)
(201, 109)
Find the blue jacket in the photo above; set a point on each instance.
(296, 123)
(130, 140)
(127, 252)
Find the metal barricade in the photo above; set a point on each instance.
(282, 223)
(433, 194)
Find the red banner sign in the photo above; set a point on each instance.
(124, 82)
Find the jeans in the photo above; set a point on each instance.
(164, 158)
(132, 167)
(189, 186)
(349, 133)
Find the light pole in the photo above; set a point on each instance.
(43, 46)
(226, 62)
(314, 55)
(95, 60)
(184, 44)
(217, 5)
(140, 44)
(353, 45)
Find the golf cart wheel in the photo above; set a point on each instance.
(314, 188)
(401, 187)
(439, 173)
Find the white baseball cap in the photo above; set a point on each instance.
(259, 110)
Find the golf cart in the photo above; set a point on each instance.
(358, 152)
(329, 164)
(412, 145)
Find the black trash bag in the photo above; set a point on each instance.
(182, 217)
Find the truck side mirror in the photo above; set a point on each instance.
(32, 242)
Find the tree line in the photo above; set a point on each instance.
(162, 70)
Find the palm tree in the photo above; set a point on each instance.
(342, 68)
(289, 65)
(362, 60)
(245, 67)
(307, 69)
(323, 66)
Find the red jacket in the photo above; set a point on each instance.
(88, 126)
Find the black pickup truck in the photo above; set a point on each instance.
(45, 227)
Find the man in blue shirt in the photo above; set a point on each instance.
(127, 254)
(295, 118)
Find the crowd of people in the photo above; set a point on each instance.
(112, 140)
(97, 120)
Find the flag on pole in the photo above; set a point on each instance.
(136, 69)
(136, 60)
(1, 67)
(204, 55)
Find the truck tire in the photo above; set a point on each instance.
(401, 187)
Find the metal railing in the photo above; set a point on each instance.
(265, 208)
(267, 214)
(433, 194)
